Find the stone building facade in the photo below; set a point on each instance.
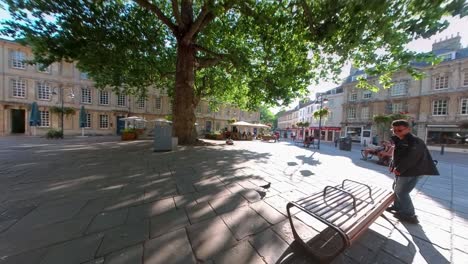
(437, 104)
(330, 126)
(22, 84)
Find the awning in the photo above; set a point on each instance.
(327, 128)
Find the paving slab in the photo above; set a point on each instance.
(244, 221)
(107, 220)
(147, 210)
(269, 245)
(199, 212)
(210, 237)
(133, 255)
(173, 247)
(74, 251)
(241, 253)
(172, 220)
(18, 241)
(270, 214)
(228, 203)
(33, 256)
(124, 236)
(182, 201)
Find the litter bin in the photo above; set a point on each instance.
(345, 143)
(162, 136)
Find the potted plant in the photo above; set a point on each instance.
(54, 133)
(129, 134)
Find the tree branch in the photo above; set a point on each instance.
(175, 9)
(196, 24)
(204, 18)
(153, 8)
(207, 51)
(207, 62)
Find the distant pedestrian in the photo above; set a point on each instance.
(411, 160)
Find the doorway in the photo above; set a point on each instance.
(120, 125)
(208, 126)
(18, 121)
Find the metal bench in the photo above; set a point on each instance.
(347, 210)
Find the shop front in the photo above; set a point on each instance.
(328, 133)
(449, 136)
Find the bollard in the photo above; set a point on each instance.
(442, 149)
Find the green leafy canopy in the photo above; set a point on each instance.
(248, 52)
(265, 50)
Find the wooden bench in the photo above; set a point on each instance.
(268, 138)
(347, 210)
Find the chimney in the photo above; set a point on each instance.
(452, 43)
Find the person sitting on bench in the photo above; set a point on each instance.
(308, 141)
(374, 150)
(386, 155)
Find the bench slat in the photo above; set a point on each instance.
(348, 210)
(320, 201)
(363, 210)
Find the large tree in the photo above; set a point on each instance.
(240, 51)
(266, 116)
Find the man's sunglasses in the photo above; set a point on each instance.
(397, 130)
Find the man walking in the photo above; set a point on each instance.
(411, 160)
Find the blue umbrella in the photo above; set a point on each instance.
(82, 119)
(35, 117)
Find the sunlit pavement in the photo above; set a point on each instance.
(100, 200)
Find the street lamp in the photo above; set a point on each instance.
(71, 95)
(322, 100)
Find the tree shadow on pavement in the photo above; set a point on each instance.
(373, 247)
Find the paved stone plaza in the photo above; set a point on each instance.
(100, 200)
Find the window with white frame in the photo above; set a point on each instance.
(353, 97)
(447, 56)
(398, 89)
(104, 97)
(157, 103)
(122, 100)
(43, 91)
(441, 82)
(86, 95)
(465, 79)
(365, 112)
(140, 103)
(17, 59)
(199, 108)
(88, 121)
(103, 121)
(439, 107)
(18, 88)
(45, 118)
(42, 68)
(331, 102)
(464, 106)
(351, 113)
(367, 95)
(330, 115)
(397, 107)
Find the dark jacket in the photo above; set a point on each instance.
(412, 158)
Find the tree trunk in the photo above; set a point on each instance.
(184, 95)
